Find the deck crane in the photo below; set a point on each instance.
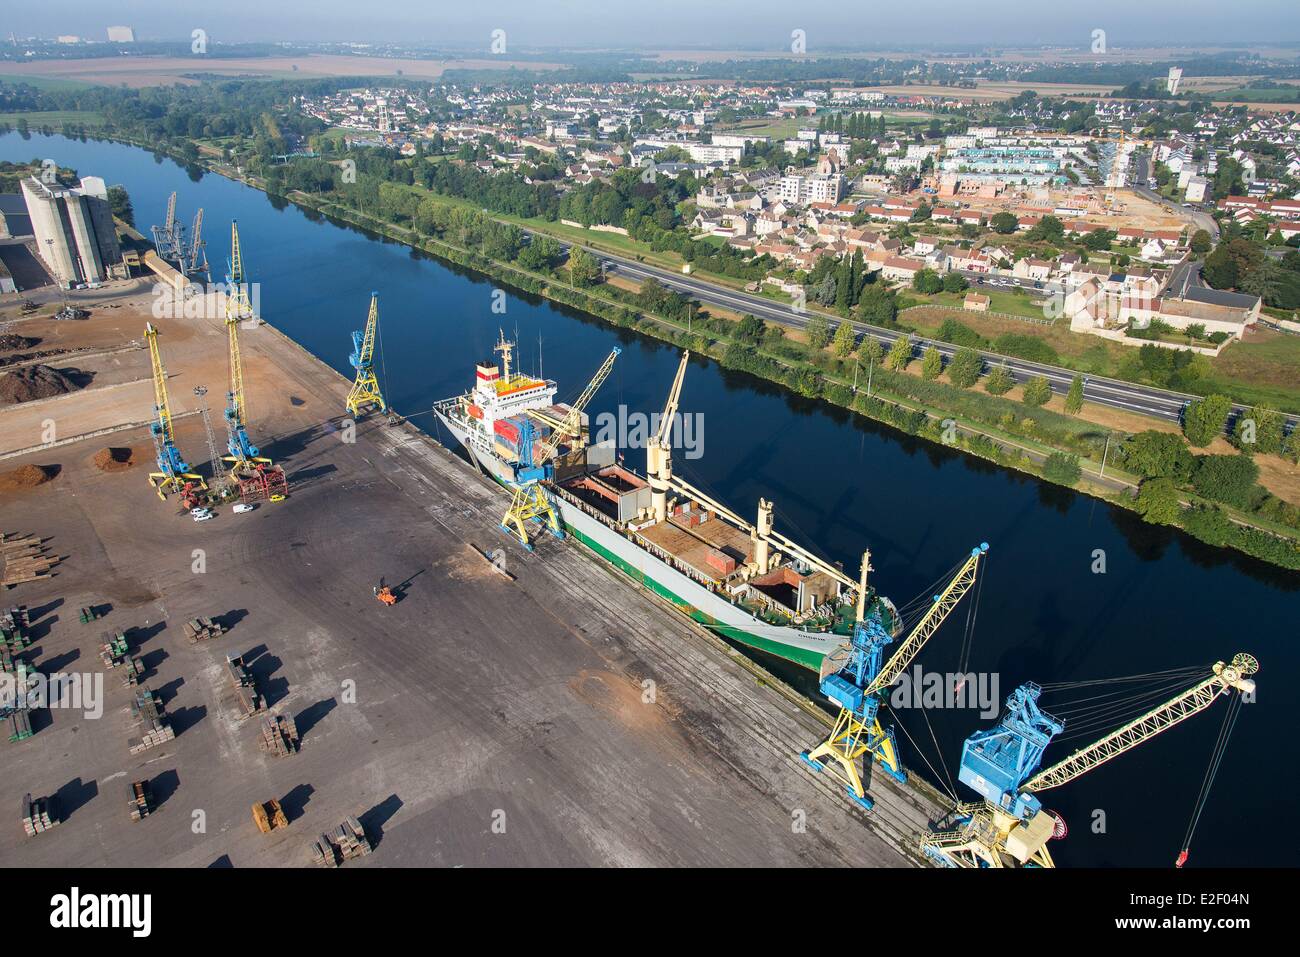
(174, 473)
(243, 455)
(861, 683)
(534, 467)
(365, 390)
(659, 462)
(1010, 827)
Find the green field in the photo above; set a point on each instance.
(55, 118)
(44, 82)
(1251, 94)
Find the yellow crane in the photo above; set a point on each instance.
(365, 392)
(243, 455)
(1009, 827)
(534, 466)
(861, 683)
(174, 473)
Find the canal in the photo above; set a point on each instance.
(1073, 589)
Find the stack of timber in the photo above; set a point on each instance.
(279, 736)
(14, 633)
(202, 629)
(88, 614)
(155, 728)
(24, 559)
(38, 815)
(138, 800)
(115, 649)
(268, 815)
(347, 842)
(15, 704)
(247, 701)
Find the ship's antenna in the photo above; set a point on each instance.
(539, 357)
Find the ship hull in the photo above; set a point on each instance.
(807, 649)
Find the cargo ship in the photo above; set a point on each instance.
(745, 581)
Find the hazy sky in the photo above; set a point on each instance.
(672, 23)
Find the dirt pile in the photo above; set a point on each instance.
(114, 459)
(25, 477)
(33, 382)
(10, 341)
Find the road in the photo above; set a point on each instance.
(1148, 400)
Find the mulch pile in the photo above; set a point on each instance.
(25, 477)
(114, 459)
(33, 382)
(10, 341)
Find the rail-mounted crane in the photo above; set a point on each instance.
(862, 682)
(659, 462)
(243, 456)
(174, 473)
(535, 467)
(365, 392)
(1010, 827)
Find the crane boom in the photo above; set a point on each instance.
(572, 424)
(664, 433)
(162, 408)
(365, 390)
(1194, 700)
(944, 603)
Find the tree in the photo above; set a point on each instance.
(1258, 429)
(1074, 398)
(120, 203)
(819, 332)
(1157, 502)
(845, 340)
(583, 270)
(1204, 420)
(965, 368)
(931, 363)
(955, 282)
(927, 281)
(1227, 478)
(1153, 454)
(1004, 223)
(1062, 468)
(878, 305)
(999, 381)
(1037, 391)
(871, 350)
(900, 353)
(1201, 242)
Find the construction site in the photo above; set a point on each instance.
(343, 658)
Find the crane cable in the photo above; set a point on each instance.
(946, 777)
(968, 638)
(1211, 774)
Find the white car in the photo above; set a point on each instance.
(242, 507)
(203, 516)
(200, 510)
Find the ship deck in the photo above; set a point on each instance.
(693, 545)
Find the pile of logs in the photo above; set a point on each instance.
(23, 558)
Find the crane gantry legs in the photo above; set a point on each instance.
(365, 393)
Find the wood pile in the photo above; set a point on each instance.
(24, 559)
(269, 815)
(155, 728)
(14, 634)
(247, 702)
(202, 629)
(279, 736)
(20, 725)
(114, 650)
(138, 800)
(38, 815)
(347, 842)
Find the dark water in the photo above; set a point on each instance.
(844, 484)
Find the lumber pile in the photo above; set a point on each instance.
(346, 842)
(38, 815)
(19, 725)
(114, 650)
(247, 701)
(15, 706)
(24, 559)
(149, 715)
(138, 800)
(279, 736)
(14, 633)
(202, 629)
(269, 815)
(88, 614)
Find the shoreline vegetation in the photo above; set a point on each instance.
(1164, 483)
